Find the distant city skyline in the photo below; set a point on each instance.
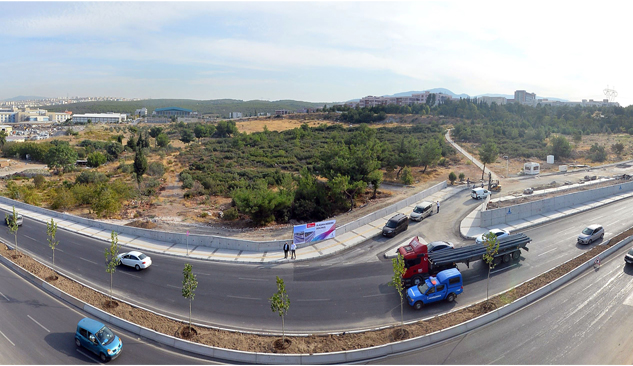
(313, 51)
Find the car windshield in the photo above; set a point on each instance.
(391, 224)
(418, 209)
(587, 231)
(423, 288)
(105, 336)
(142, 256)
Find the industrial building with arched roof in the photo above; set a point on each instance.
(172, 111)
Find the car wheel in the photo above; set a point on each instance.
(601, 235)
(77, 342)
(496, 261)
(506, 258)
(416, 280)
(516, 255)
(103, 357)
(417, 305)
(450, 297)
(138, 268)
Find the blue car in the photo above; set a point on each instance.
(98, 338)
(445, 286)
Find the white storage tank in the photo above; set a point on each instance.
(562, 168)
(550, 159)
(531, 168)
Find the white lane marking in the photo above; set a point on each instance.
(313, 300)
(243, 297)
(90, 357)
(613, 222)
(133, 275)
(302, 265)
(5, 297)
(252, 279)
(89, 261)
(629, 300)
(59, 250)
(551, 250)
(36, 322)
(376, 295)
(30, 238)
(173, 286)
(503, 269)
(7, 338)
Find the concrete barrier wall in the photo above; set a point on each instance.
(213, 240)
(524, 210)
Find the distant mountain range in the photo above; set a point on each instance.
(20, 98)
(463, 95)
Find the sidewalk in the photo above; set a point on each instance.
(469, 227)
(317, 250)
(470, 157)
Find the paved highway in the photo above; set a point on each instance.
(588, 321)
(341, 292)
(36, 328)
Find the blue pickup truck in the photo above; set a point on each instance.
(446, 285)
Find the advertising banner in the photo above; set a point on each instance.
(314, 231)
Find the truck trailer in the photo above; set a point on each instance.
(420, 264)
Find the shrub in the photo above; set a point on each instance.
(187, 180)
(106, 202)
(452, 177)
(39, 181)
(230, 214)
(96, 159)
(461, 177)
(91, 177)
(62, 198)
(406, 177)
(156, 169)
(597, 153)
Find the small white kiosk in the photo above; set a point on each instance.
(531, 168)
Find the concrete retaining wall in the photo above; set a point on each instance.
(524, 210)
(213, 240)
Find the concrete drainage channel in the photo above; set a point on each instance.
(321, 358)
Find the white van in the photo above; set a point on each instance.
(479, 193)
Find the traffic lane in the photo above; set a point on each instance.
(587, 321)
(39, 329)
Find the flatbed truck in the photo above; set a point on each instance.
(419, 264)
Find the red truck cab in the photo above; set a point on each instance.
(416, 260)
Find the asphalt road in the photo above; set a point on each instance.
(36, 328)
(588, 321)
(342, 292)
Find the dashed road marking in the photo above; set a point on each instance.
(5, 297)
(7, 338)
(87, 260)
(551, 250)
(243, 297)
(36, 322)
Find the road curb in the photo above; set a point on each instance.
(319, 358)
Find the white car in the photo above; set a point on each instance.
(500, 233)
(135, 259)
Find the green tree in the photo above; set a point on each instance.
(431, 153)
(262, 204)
(561, 148)
(189, 286)
(187, 136)
(597, 153)
(39, 181)
(617, 148)
(452, 177)
(200, 131)
(162, 140)
(3, 138)
(375, 179)
(396, 281)
(61, 157)
(114, 149)
(140, 166)
(112, 258)
(407, 176)
(154, 132)
(491, 243)
(51, 231)
(131, 143)
(96, 159)
(461, 177)
(577, 136)
(488, 154)
(12, 223)
(280, 303)
(408, 154)
(226, 129)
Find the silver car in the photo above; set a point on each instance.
(421, 211)
(18, 221)
(591, 234)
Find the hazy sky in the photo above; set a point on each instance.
(314, 51)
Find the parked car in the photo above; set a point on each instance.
(446, 285)
(591, 234)
(434, 246)
(98, 338)
(10, 217)
(421, 211)
(479, 193)
(135, 259)
(396, 225)
(500, 233)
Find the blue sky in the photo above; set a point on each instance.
(314, 51)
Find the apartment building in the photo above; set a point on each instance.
(235, 114)
(420, 98)
(490, 100)
(99, 118)
(523, 97)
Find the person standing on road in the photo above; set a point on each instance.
(293, 254)
(286, 248)
(438, 206)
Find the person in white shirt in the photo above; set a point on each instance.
(293, 254)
